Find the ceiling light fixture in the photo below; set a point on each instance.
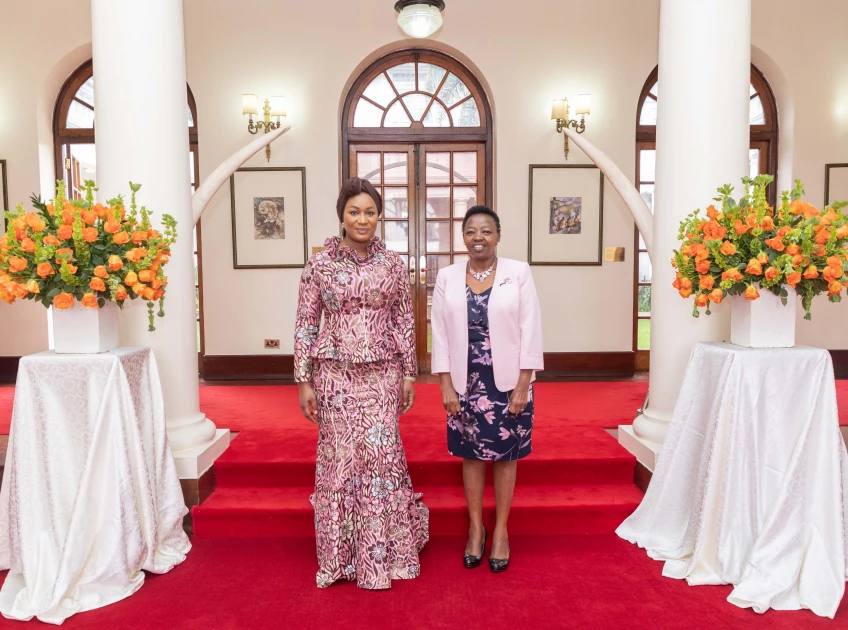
(420, 18)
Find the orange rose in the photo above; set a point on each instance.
(156, 283)
(811, 273)
(111, 226)
(68, 216)
(793, 279)
(20, 224)
(136, 254)
(835, 262)
(685, 283)
(148, 293)
(702, 266)
(63, 301)
(829, 217)
(121, 294)
(100, 210)
(819, 250)
(100, 272)
(834, 288)
(89, 216)
(762, 258)
(17, 264)
(701, 300)
(771, 273)
(28, 245)
(768, 223)
(714, 231)
(90, 234)
(783, 231)
(45, 269)
(776, 244)
(706, 283)
(712, 213)
(89, 300)
(153, 234)
(159, 293)
(830, 274)
(138, 288)
(139, 236)
(751, 292)
(115, 262)
(97, 284)
(685, 293)
(130, 279)
(823, 237)
(34, 222)
(797, 260)
(751, 220)
(19, 291)
(716, 295)
(51, 240)
(145, 275)
(842, 231)
(50, 209)
(72, 269)
(793, 249)
(65, 252)
(32, 287)
(754, 267)
(728, 248)
(739, 227)
(65, 232)
(121, 238)
(731, 274)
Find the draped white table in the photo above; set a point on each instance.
(751, 486)
(90, 494)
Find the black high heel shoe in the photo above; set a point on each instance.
(498, 565)
(472, 562)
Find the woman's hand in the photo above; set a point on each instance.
(408, 396)
(308, 402)
(518, 400)
(450, 399)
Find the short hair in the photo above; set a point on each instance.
(355, 186)
(481, 210)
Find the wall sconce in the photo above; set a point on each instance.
(560, 113)
(275, 106)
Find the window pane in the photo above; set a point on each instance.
(453, 90)
(655, 90)
(465, 168)
(434, 263)
(395, 168)
(438, 236)
(642, 244)
(86, 92)
(396, 203)
(757, 116)
(753, 90)
(191, 167)
(429, 77)
(194, 242)
(463, 198)
(644, 301)
(466, 115)
(437, 116)
(458, 242)
(753, 162)
(429, 337)
(438, 168)
(644, 267)
(403, 77)
(367, 115)
(368, 167)
(643, 338)
(438, 202)
(416, 104)
(190, 117)
(397, 235)
(647, 165)
(647, 192)
(80, 117)
(83, 166)
(380, 91)
(397, 117)
(649, 112)
(458, 258)
(198, 335)
(196, 274)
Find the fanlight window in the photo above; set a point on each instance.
(416, 94)
(649, 108)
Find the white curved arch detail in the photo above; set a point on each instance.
(216, 178)
(632, 199)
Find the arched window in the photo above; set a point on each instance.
(762, 159)
(73, 142)
(417, 124)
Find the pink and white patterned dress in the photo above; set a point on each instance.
(369, 524)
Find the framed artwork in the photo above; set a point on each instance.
(269, 217)
(835, 183)
(566, 214)
(4, 196)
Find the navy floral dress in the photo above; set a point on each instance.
(483, 429)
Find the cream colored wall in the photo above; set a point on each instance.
(310, 53)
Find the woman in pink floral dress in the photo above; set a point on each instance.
(356, 376)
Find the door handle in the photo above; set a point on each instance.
(412, 270)
(422, 273)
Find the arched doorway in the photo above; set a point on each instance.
(73, 145)
(417, 124)
(762, 159)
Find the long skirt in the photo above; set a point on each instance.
(369, 524)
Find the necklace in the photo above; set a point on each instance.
(482, 275)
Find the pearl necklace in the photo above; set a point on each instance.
(482, 275)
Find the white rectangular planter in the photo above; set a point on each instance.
(764, 322)
(82, 330)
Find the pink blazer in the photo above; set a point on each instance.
(515, 324)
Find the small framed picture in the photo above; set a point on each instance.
(835, 183)
(566, 214)
(269, 217)
(4, 196)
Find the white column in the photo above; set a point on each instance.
(702, 143)
(142, 136)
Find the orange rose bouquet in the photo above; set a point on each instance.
(68, 251)
(746, 244)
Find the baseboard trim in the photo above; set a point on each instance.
(840, 363)
(237, 367)
(586, 364)
(9, 369)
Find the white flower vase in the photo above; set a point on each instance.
(83, 330)
(764, 322)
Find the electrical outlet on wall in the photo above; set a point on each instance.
(273, 344)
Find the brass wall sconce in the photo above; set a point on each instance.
(275, 106)
(560, 113)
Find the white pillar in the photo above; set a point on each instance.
(142, 136)
(702, 143)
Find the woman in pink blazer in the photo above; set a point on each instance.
(487, 344)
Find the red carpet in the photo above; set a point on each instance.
(576, 582)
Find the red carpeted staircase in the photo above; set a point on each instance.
(578, 479)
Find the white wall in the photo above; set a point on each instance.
(310, 52)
